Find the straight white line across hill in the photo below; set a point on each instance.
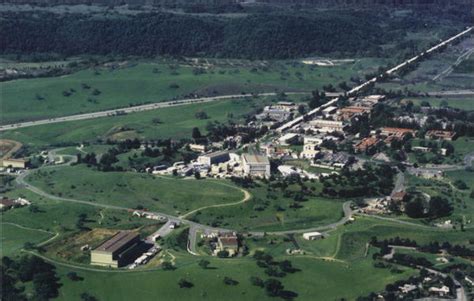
(299, 119)
(140, 108)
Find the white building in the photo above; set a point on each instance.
(327, 125)
(310, 147)
(213, 158)
(444, 290)
(198, 148)
(288, 139)
(329, 111)
(313, 235)
(256, 165)
(288, 170)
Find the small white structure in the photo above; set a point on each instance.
(444, 290)
(329, 110)
(288, 170)
(313, 235)
(407, 288)
(198, 148)
(288, 139)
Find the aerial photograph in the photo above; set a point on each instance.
(228, 150)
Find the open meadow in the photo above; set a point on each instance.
(132, 190)
(116, 85)
(174, 122)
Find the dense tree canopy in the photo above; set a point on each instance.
(255, 36)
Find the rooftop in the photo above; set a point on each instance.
(229, 241)
(117, 241)
(255, 159)
(7, 202)
(215, 154)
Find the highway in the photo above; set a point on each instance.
(134, 109)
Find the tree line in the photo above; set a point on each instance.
(256, 36)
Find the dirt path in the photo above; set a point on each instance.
(55, 234)
(247, 197)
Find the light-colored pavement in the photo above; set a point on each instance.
(247, 197)
(399, 183)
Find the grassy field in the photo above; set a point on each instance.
(463, 103)
(13, 237)
(175, 122)
(354, 237)
(165, 194)
(464, 208)
(318, 280)
(129, 83)
(271, 211)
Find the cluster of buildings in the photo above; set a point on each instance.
(223, 243)
(223, 164)
(429, 286)
(384, 136)
(6, 203)
(317, 135)
(276, 113)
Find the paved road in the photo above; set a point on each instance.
(346, 208)
(141, 108)
(399, 183)
(164, 231)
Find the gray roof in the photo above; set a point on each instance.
(117, 241)
(255, 159)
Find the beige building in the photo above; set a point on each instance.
(115, 251)
(198, 148)
(15, 163)
(256, 165)
(213, 158)
(310, 147)
(229, 243)
(327, 125)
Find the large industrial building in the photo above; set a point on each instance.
(256, 165)
(116, 251)
(15, 163)
(214, 158)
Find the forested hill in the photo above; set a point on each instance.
(255, 36)
(313, 3)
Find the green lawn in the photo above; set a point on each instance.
(355, 236)
(463, 103)
(137, 83)
(317, 280)
(60, 216)
(13, 237)
(166, 194)
(175, 122)
(274, 214)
